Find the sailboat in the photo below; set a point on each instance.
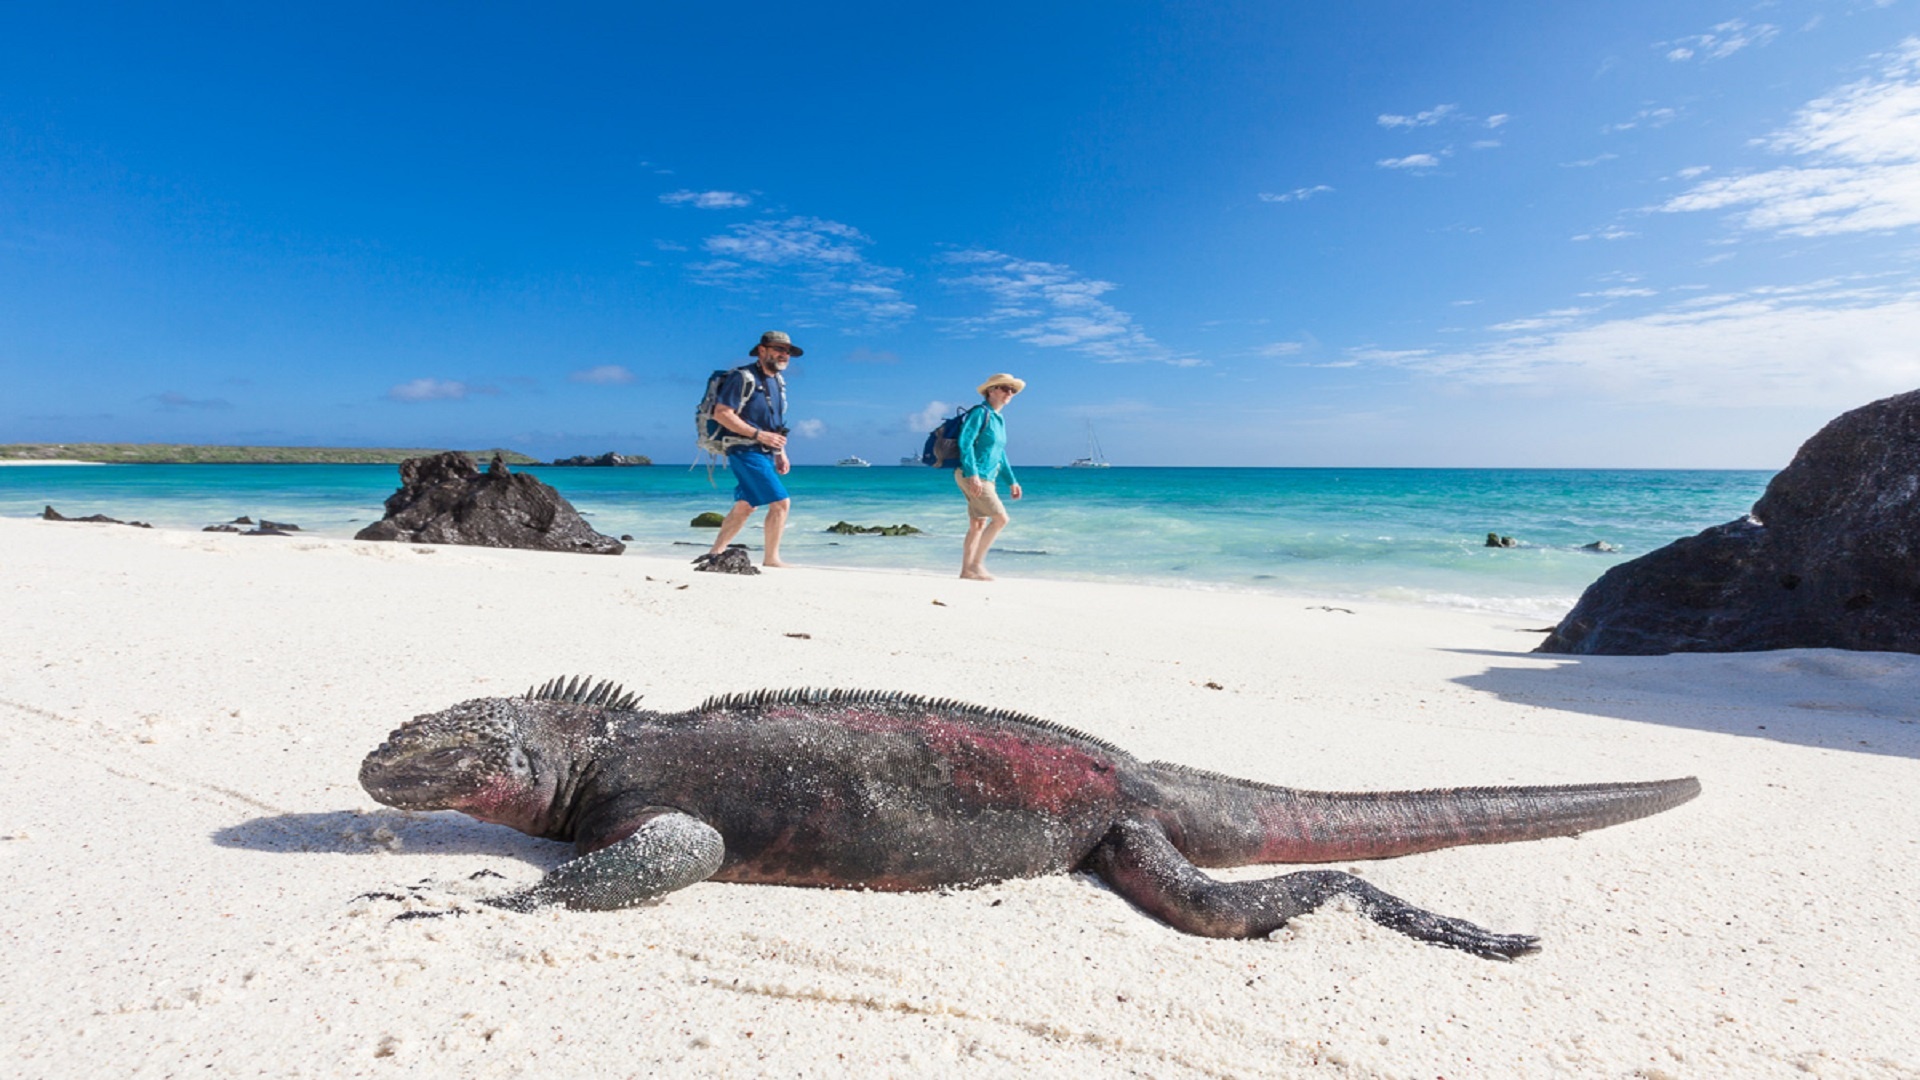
(1094, 459)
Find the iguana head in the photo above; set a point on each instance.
(505, 760)
(475, 757)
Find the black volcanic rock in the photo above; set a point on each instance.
(733, 560)
(50, 514)
(446, 499)
(847, 528)
(1828, 558)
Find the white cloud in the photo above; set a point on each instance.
(1694, 172)
(1296, 195)
(1589, 162)
(1830, 343)
(825, 259)
(1622, 292)
(810, 429)
(1411, 161)
(1862, 142)
(1279, 349)
(604, 375)
(1484, 144)
(1050, 306)
(926, 418)
(1497, 119)
(707, 200)
(1611, 232)
(1722, 41)
(432, 390)
(1422, 119)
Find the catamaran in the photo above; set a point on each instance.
(1094, 459)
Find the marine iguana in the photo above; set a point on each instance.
(864, 789)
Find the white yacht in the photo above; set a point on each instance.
(854, 462)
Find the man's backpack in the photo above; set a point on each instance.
(708, 435)
(942, 450)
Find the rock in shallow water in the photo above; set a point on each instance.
(446, 499)
(1828, 558)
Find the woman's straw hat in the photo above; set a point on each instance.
(1003, 379)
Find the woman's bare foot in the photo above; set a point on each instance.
(772, 562)
(977, 575)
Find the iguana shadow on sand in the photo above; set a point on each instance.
(867, 790)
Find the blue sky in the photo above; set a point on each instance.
(1476, 234)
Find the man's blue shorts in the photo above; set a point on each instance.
(754, 481)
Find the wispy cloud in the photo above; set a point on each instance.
(603, 375)
(864, 355)
(1833, 343)
(1050, 306)
(418, 390)
(1279, 349)
(1296, 195)
(1557, 317)
(1862, 143)
(1611, 232)
(707, 200)
(824, 259)
(1722, 41)
(1589, 163)
(173, 402)
(1448, 115)
(1660, 116)
(1426, 118)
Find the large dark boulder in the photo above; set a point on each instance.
(1828, 558)
(446, 499)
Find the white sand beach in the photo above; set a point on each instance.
(197, 885)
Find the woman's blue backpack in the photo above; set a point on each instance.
(942, 450)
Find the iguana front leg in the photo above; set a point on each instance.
(668, 851)
(1141, 864)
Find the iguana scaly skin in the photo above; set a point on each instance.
(857, 789)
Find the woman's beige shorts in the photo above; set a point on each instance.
(978, 505)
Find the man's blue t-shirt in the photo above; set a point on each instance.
(766, 409)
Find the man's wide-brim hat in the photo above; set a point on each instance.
(1003, 379)
(776, 337)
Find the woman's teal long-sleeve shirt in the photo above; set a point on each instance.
(983, 445)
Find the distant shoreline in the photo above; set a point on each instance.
(195, 454)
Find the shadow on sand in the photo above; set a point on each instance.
(352, 832)
(1860, 702)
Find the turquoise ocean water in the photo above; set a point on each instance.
(1405, 535)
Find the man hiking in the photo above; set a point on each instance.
(752, 404)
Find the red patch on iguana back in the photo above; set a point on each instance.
(1003, 766)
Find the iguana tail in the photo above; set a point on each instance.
(1218, 820)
